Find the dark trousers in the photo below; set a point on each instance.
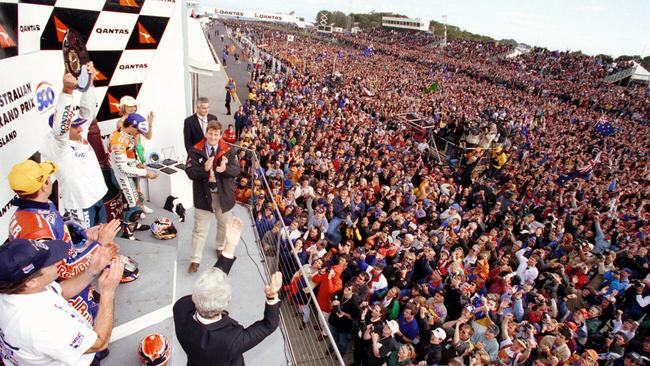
(228, 108)
(238, 131)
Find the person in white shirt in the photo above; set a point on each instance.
(378, 282)
(527, 271)
(304, 190)
(37, 325)
(80, 178)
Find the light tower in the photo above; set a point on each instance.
(444, 19)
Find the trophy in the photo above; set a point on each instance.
(75, 58)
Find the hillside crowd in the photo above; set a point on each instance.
(483, 221)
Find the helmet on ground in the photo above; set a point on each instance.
(131, 270)
(154, 350)
(163, 229)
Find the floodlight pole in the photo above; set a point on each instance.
(444, 19)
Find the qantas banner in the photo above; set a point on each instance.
(133, 44)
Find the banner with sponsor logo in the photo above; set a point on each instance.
(133, 43)
(259, 16)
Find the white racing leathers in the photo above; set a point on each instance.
(124, 164)
(81, 181)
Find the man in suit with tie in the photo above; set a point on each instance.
(212, 166)
(196, 124)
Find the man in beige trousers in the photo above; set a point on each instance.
(212, 166)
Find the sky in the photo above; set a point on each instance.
(614, 27)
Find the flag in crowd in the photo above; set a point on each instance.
(432, 88)
(604, 128)
(612, 185)
(369, 51)
(366, 91)
(582, 172)
(525, 131)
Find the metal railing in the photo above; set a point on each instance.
(244, 41)
(304, 324)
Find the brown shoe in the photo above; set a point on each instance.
(193, 267)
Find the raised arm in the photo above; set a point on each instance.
(261, 329)
(233, 234)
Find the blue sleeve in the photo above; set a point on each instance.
(303, 256)
(518, 309)
(363, 266)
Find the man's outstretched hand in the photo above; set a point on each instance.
(233, 234)
(271, 290)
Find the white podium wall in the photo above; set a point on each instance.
(176, 184)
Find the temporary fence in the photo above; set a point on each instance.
(309, 337)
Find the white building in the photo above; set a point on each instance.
(405, 23)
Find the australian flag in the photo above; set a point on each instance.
(525, 131)
(604, 128)
(368, 51)
(582, 172)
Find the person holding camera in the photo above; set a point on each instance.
(383, 343)
(345, 308)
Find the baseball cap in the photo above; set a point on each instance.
(29, 176)
(439, 333)
(76, 121)
(136, 120)
(128, 101)
(394, 327)
(635, 357)
(20, 258)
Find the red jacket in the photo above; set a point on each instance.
(229, 136)
(328, 287)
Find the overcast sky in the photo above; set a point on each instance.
(614, 27)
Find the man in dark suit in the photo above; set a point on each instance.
(228, 101)
(207, 334)
(212, 165)
(195, 125)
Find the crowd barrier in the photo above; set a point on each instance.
(302, 320)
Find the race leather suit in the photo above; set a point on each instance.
(41, 221)
(121, 147)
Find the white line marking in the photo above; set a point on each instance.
(175, 277)
(141, 323)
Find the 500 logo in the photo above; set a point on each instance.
(45, 96)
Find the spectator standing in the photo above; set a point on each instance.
(228, 101)
(240, 121)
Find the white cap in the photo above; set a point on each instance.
(128, 101)
(439, 333)
(394, 327)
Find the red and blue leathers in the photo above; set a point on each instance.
(41, 221)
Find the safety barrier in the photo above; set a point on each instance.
(303, 322)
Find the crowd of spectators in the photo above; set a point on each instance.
(525, 243)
